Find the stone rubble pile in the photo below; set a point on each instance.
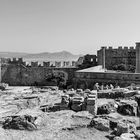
(25, 122)
(54, 101)
(106, 108)
(100, 124)
(118, 127)
(127, 107)
(3, 86)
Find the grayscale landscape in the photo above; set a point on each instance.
(69, 70)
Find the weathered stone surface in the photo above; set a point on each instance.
(127, 136)
(125, 126)
(77, 103)
(109, 94)
(25, 122)
(91, 109)
(83, 114)
(137, 136)
(127, 107)
(3, 86)
(129, 93)
(65, 102)
(76, 107)
(91, 101)
(106, 108)
(100, 124)
(117, 138)
(92, 96)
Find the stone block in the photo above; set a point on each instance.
(125, 126)
(127, 136)
(77, 100)
(76, 107)
(100, 124)
(91, 109)
(91, 101)
(92, 96)
(128, 107)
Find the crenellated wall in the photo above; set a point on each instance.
(17, 73)
(115, 56)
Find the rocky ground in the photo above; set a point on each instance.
(57, 125)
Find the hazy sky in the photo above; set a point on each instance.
(78, 26)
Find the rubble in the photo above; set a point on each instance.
(125, 126)
(126, 136)
(77, 103)
(106, 108)
(100, 124)
(83, 114)
(127, 107)
(25, 122)
(3, 86)
(137, 136)
(63, 111)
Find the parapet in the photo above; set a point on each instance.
(104, 47)
(125, 48)
(58, 63)
(137, 43)
(46, 64)
(110, 47)
(20, 60)
(131, 48)
(34, 64)
(14, 59)
(120, 47)
(66, 63)
(5, 60)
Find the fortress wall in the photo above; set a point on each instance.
(114, 56)
(88, 79)
(17, 75)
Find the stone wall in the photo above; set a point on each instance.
(0, 70)
(20, 74)
(117, 56)
(87, 61)
(88, 79)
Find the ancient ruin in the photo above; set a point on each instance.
(54, 102)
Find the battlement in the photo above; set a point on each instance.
(5, 60)
(104, 47)
(125, 48)
(34, 64)
(19, 61)
(120, 48)
(46, 64)
(110, 47)
(16, 61)
(131, 48)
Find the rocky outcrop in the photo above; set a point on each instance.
(125, 126)
(100, 124)
(25, 122)
(105, 123)
(127, 107)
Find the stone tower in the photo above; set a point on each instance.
(138, 57)
(103, 56)
(0, 70)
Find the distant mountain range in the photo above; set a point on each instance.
(46, 56)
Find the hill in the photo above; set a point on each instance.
(45, 56)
